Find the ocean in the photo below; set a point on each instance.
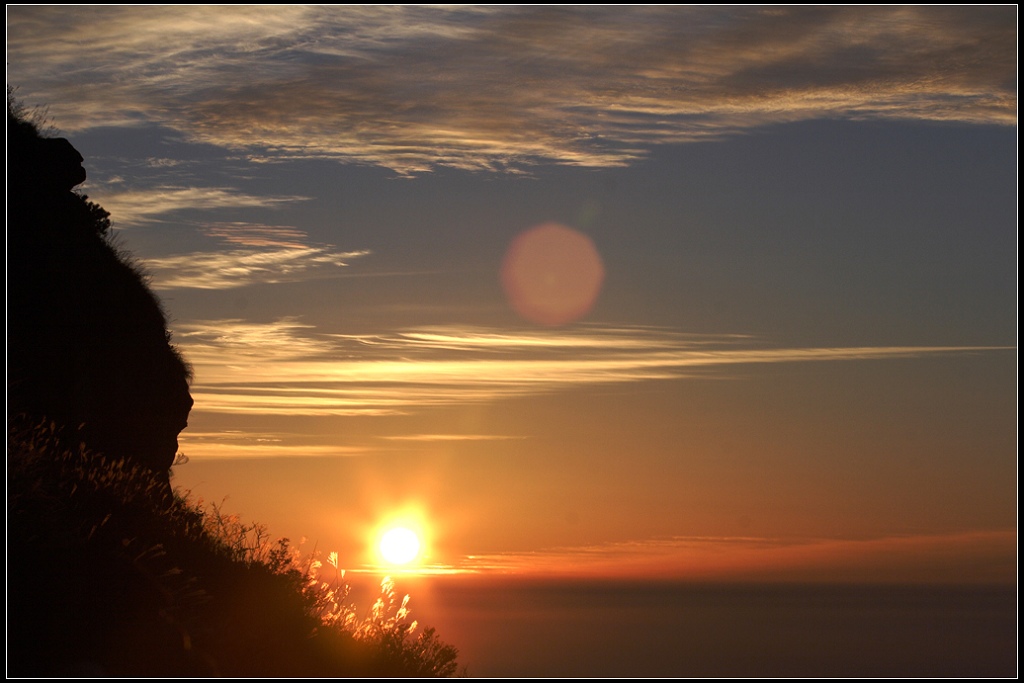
(506, 627)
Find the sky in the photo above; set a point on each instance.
(651, 293)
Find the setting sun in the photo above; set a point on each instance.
(669, 342)
(399, 545)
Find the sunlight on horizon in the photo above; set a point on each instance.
(641, 341)
(400, 542)
(399, 545)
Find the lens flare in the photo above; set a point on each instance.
(552, 274)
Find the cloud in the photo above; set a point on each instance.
(139, 206)
(241, 267)
(256, 234)
(236, 445)
(501, 88)
(241, 341)
(453, 437)
(270, 254)
(985, 556)
(286, 368)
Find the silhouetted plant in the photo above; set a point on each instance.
(107, 578)
(37, 118)
(109, 572)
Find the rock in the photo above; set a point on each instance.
(88, 344)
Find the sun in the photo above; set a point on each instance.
(399, 545)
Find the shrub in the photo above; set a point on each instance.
(108, 574)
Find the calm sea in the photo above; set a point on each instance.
(507, 627)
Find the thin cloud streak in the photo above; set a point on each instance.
(957, 557)
(242, 267)
(257, 234)
(286, 368)
(502, 88)
(256, 445)
(272, 254)
(141, 206)
(453, 437)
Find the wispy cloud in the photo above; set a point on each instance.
(241, 267)
(138, 206)
(237, 445)
(414, 88)
(453, 437)
(289, 369)
(260, 254)
(960, 557)
(256, 234)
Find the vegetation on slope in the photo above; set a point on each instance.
(110, 575)
(109, 572)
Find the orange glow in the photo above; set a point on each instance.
(983, 557)
(401, 542)
(399, 545)
(552, 274)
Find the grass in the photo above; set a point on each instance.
(111, 574)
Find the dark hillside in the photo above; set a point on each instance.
(87, 342)
(110, 573)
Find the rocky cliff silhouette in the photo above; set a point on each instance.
(87, 341)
